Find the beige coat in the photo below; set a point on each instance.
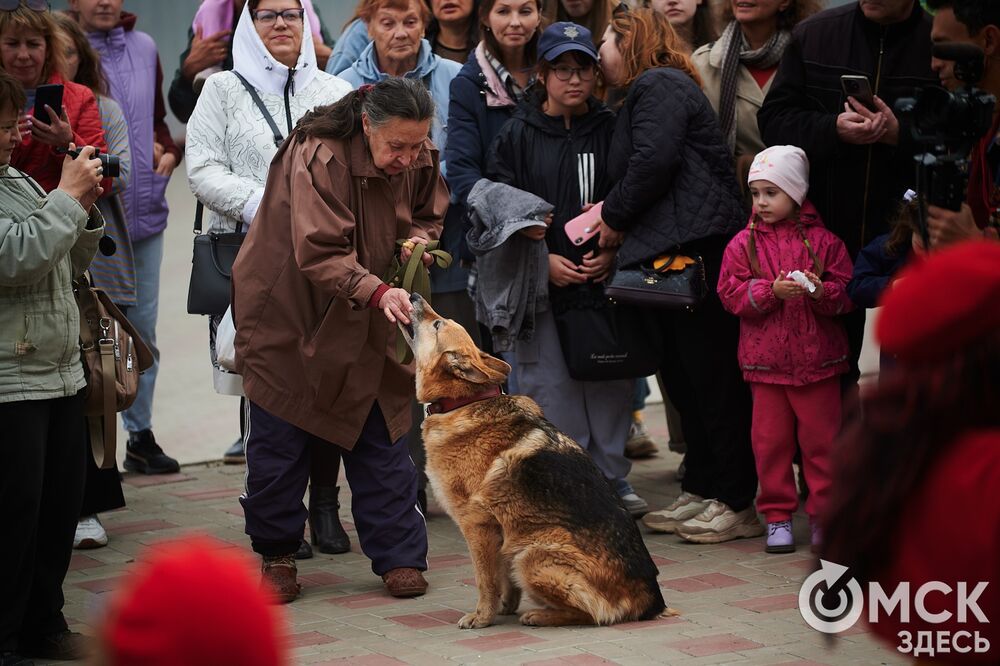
(309, 348)
(749, 98)
(44, 244)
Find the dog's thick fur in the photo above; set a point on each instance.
(536, 512)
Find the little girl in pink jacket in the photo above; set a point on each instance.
(792, 346)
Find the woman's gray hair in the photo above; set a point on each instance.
(394, 97)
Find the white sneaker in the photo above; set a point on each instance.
(639, 443)
(718, 523)
(687, 505)
(90, 534)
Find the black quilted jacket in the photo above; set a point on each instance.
(674, 177)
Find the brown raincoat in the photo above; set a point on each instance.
(309, 348)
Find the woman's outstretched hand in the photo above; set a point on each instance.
(395, 303)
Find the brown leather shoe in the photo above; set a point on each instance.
(278, 574)
(404, 582)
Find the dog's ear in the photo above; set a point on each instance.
(478, 368)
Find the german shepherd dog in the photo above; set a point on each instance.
(536, 512)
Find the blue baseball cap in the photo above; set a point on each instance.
(562, 37)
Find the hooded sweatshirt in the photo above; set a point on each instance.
(434, 71)
(230, 145)
(131, 65)
(536, 153)
(792, 342)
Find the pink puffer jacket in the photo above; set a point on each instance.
(793, 342)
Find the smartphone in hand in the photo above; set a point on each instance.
(584, 226)
(859, 88)
(50, 94)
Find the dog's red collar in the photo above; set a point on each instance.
(445, 405)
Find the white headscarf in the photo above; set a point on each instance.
(252, 59)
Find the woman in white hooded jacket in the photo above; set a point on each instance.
(229, 149)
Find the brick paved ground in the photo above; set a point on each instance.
(737, 603)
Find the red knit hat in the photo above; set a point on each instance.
(194, 602)
(943, 302)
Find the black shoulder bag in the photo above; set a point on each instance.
(603, 340)
(215, 253)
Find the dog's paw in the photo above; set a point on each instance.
(534, 618)
(475, 620)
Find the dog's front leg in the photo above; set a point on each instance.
(484, 538)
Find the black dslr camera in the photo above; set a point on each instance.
(110, 163)
(948, 125)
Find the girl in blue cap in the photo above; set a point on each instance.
(555, 146)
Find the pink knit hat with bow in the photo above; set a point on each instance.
(785, 166)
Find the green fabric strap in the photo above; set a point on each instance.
(415, 279)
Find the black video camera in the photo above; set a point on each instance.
(111, 164)
(948, 125)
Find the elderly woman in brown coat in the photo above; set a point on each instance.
(316, 355)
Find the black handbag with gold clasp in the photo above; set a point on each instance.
(670, 282)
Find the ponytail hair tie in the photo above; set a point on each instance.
(364, 90)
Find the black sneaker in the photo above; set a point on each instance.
(61, 646)
(235, 454)
(144, 455)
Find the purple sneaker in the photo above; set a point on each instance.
(779, 537)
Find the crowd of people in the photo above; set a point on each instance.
(715, 135)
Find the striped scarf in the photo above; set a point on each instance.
(738, 52)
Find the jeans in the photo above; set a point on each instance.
(148, 257)
(642, 393)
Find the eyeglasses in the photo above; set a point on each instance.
(36, 5)
(268, 17)
(564, 73)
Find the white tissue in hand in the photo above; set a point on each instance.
(800, 279)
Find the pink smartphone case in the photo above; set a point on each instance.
(583, 227)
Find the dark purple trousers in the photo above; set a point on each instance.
(381, 475)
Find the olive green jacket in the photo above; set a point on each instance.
(44, 244)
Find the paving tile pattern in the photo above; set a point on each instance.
(737, 604)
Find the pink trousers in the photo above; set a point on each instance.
(784, 416)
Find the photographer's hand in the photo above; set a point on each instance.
(860, 129)
(81, 177)
(948, 226)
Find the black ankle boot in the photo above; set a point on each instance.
(324, 523)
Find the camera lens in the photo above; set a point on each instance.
(111, 164)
